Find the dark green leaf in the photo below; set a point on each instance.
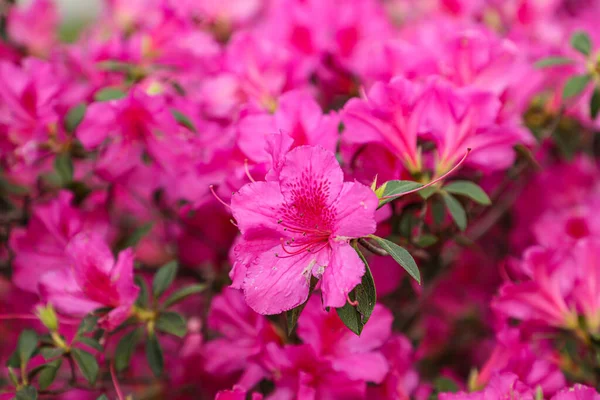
(171, 322)
(470, 190)
(183, 293)
(595, 103)
(575, 85)
(443, 384)
(48, 374)
(109, 93)
(581, 42)
(154, 355)
(102, 397)
(426, 240)
(553, 61)
(355, 317)
(28, 341)
(63, 165)
(457, 211)
(12, 376)
(184, 120)
(137, 235)
(438, 211)
(143, 297)
(163, 278)
(126, 348)
(87, 364)
(27, 393)
(428, 192)
(87, 325)
(401, 255)
(93, 343)
(74, 117)
(14, 361)
(292, 315)
(396, 189)
(51, 352)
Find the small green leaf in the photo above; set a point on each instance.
(595, 103)
(457, 211)
(395, 189)
(48, 374)
(553, 61)
(126, 348)
(93, 343)
(575, 85)
(88, 324)
(438, 211)
(355, 317)
(109, 93)
(443, 384)
(426, 240)
(102, 397)
(87, 364)
(137, 235)
(163, 278)
(74, 117)
(171, 322)
(581, 42)
(470, 190)
(27, 393)
(51, 352)
(47, 316)
(182, 294)
(184, 120)
(154, 355)
(401, 255)
(428, 192)
(143, 297)
(63, 165)
(28, 341)
(12, 376)
(292, 315)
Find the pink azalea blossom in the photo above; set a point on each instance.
(35, 26)
(501, 387)
(237, 393)
(577, 392)
(91, 280)
(297, 226)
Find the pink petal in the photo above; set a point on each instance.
(355, 208)
(370, 367)
(343, 273)
(256, 205)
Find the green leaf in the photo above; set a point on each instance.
(292, 315)
(401, 255)
(88, 324)
(27, 393)
(397, 188)
(355, 317)
(63, 165)
(51, 352)
(102, 397)
(553, 61)
(143, 297)
(457, 211)
(438, 211)
(163, 278)
(12, 376)
(171, 322)
(184, 120)
(470, 190)
(443, 384)
(426, 240)
(154, 355)
(28, 341)
(48, 374)
(182, 294)
(87, 364)
(109, 93)
(428, 192)
(137, 235)
(74, 117)
(575, 85)
(14, 360)
(126, 348)
(93, 343)
(581, 42)
(595, 103)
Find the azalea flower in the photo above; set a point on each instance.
(297, 226)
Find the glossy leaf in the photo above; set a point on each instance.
(426, 240)
(109, 93)
(164, 278)
(396, 189)
(401, 255)
(63, 165)
(87, 364)
(126, 348)
(470, 190)
(575, 85)
(182, 294)
(93, 343)
(27, 393)
(184, 120)
(553, 61)
(74, 117)
(28, 341)
(581, 42)
(48, 374)
(154, 355)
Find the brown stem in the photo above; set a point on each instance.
(372, 248)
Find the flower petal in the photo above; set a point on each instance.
(356, 208)
(343, 273)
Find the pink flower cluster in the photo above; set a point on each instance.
(300, 199)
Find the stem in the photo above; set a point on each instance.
(115, 382)
(372, 248)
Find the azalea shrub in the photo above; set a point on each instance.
(300, 199)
